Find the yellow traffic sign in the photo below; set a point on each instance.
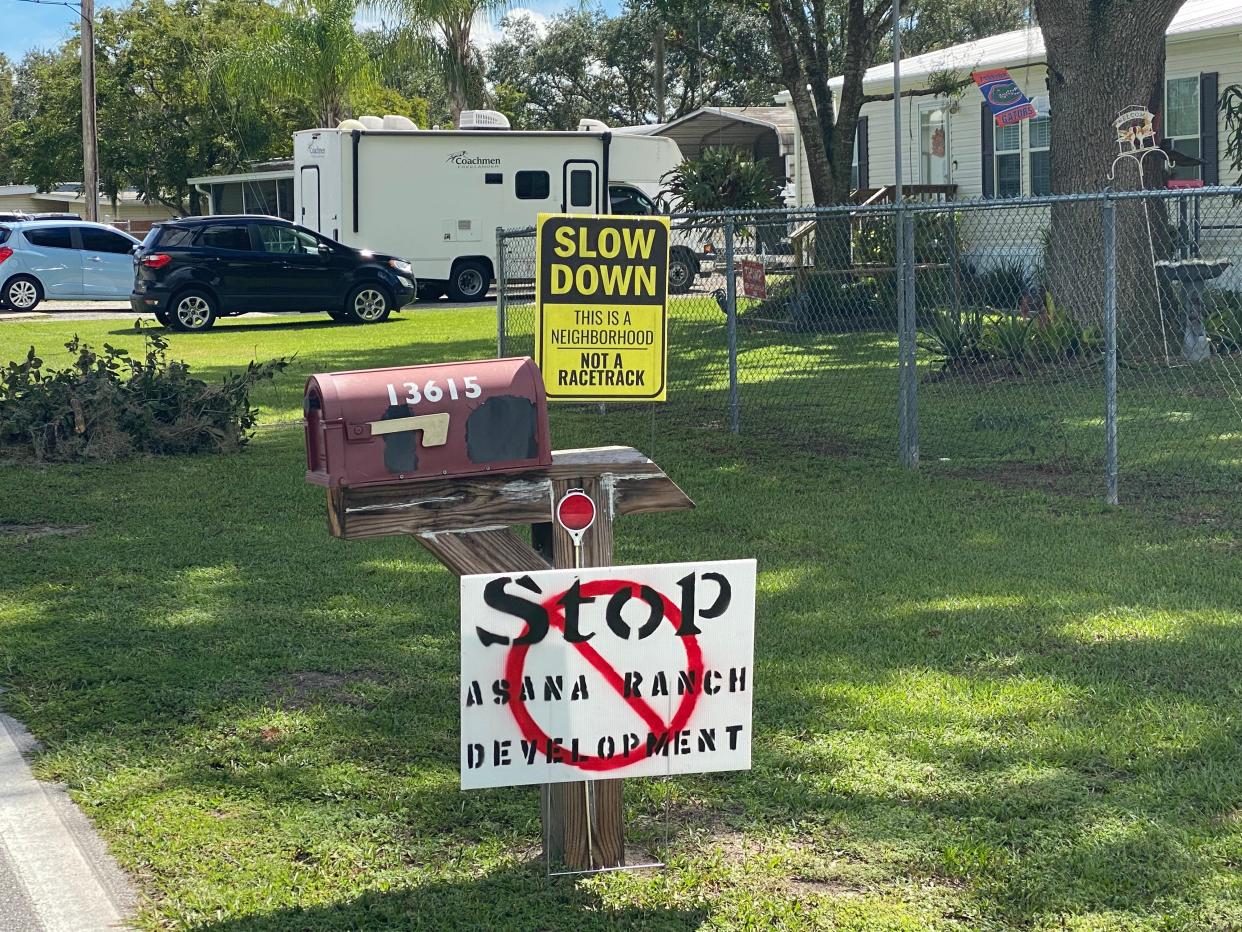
(601, 299)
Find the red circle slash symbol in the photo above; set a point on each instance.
(515, 665)
(575, 511)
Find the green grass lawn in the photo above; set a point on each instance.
(978, 705)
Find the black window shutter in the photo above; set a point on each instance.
(1209, 144)
(989, 164)
(864, 155)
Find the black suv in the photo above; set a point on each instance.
(193, 270)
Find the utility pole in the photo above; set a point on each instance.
(90, 153)
(659, 71)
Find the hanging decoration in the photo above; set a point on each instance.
(1003, 96)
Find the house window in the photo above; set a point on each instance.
(1008, 155)
(1039, 137)
(1181, 120)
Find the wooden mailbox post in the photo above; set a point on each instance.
(468, 523)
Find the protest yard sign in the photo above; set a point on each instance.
(627, 671)
(601, 307)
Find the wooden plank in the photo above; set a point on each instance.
(488, 551)
(636, 485)
(567, 807)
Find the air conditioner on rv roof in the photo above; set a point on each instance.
(395, 121)
(482, 119)
(592, 126)
(371, 122)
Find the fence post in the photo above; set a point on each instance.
(899, 279)
(911, 450)
(1110, 351)
(501, 293)
(955, 264)
(731, 311)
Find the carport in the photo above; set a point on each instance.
(765, 133)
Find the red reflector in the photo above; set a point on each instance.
(5, 252)
(157, 261)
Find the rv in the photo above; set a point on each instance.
(437, 197)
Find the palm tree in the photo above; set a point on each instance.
(442, 31)
(308, 50)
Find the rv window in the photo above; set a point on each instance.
(493, 178)
(532, 186)
(581, 188)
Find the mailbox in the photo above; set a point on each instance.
(417, 422)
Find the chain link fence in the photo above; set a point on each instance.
(1092, 340)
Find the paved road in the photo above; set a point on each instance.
(120, 310)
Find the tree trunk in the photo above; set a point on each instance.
(826, 130)
(1099, 63)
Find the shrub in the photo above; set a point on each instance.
(817, 302)
(1058, 336)
(104, 406)
(721, 179)
(1009, 338)
(1002, 286)
(953, 337)
(1224, 320)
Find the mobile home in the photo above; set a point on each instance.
(437, 197)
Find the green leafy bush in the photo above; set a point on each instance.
(103, 406)
(1002, 286)
(1059, 336)
(956, 338)
(817, 302)
(1224, 320)
(721, 179)
(1009, 337)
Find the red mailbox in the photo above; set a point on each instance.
(414, 422)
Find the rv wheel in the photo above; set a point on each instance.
(470, 281)
(682, 270)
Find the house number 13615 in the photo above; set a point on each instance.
(431, 391)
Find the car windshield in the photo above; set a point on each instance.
(631, 201)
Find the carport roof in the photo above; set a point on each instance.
(728, 126)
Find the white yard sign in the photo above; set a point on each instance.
(627, 671)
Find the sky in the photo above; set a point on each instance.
(25, 26)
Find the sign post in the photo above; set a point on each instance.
(601, 307)
(467, 523)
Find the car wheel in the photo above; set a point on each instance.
(192, 312)
(368, 304)
(470, 281)
(22, 293)
(681, 272)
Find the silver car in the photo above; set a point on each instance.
(42, 260)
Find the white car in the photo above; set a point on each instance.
(56, 260)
